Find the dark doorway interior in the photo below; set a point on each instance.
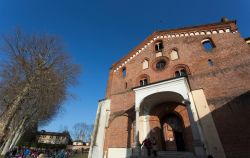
(172, 132)
(179, 141)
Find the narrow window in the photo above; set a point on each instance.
(124, 72)
(145, 64)
(126, 85)
(208, 45)
(159, 46)
(210, 62)
(141, 82)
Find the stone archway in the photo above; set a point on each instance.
(147, 97)
(165, 121)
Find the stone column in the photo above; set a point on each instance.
(197, 143)
(137, 151)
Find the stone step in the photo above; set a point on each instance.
(175, 154)
(170, 154)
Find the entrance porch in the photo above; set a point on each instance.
(163, 111)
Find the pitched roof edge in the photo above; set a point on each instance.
(191, 28)
(183, 29)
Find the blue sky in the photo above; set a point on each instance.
(97, 33)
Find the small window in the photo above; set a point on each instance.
(210, 62)
(124, 72)
(159, 46)
(161, 65)
(208, 45)
(181, 73)
(126, 85)
(145, 64)
(143, 82)
(174, 54)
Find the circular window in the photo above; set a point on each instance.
(160, 65)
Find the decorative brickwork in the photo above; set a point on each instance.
(225, 83)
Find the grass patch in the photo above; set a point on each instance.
(85, 155)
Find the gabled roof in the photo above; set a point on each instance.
(208, 29)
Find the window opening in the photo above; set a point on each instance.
(177, 74)
(210, 62)
(208, 44)
(158, 46)
(143, 82)
(181, 73)
(124, 72)
(160, 65)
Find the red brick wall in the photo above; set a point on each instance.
(160, 111)
(227, 79)
(118, 132)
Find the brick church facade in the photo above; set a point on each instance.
(187, 87)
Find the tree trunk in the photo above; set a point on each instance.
(18, 138)
(18, 134)
(7, 116)
(14, 134)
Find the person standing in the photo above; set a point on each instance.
(148, 144)
(154, 144)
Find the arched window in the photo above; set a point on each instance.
(145, 64)
(181, 73)
(124, 72)
(143, 82)
(159, 46)
(181, 70)
(208, 44)
(174, 54)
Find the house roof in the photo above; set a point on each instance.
(78, 141)
(53, 133)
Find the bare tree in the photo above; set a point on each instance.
(33, 83)
(82, 131)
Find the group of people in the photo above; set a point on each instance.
(25, 152)
(150, 145)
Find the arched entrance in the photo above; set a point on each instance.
(172, 132)
(169, 123)
(156, 105)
